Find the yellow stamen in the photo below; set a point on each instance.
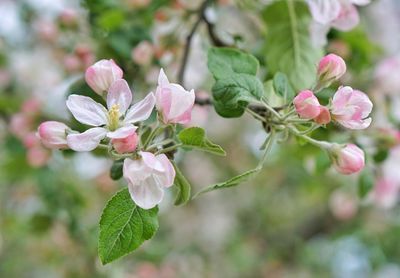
(113, 117)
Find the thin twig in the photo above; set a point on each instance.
(200, 18)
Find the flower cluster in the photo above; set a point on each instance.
(118, 127)
(350, 108)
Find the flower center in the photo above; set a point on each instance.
(113, 117)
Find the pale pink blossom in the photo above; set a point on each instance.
(347, 160)
(127, 144)
(173, 102)
(343, 205)
(147, 178)
(69, 17)
(307, 105)
(20, 125)
(387, 75)
(53, 134)
(324, 116)
(330, 68)
(385, 193)
(351, 108)
(102, 74)
(143, 53)
(340, 14)
(37, 156)
(115, 122)
(31, 140)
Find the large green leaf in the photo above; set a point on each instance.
(195, 137)
(288, 46)
(232, 94)
(124, 227)
(222, 62)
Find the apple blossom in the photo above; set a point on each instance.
(173, 102)
(115, 122)
(127, 144)
(351, 108)
(324, 116)
(307, 105)
(143, 53)
(347, 160)
(102, 74)
(330, 68)
(53, 134)
(147, 177)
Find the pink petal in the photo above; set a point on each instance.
(167, 178)
(86, 110)
(142, 110)
(122, 132)
(86, 141)
(181, 101)
(120, 94)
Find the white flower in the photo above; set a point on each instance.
(115, 122)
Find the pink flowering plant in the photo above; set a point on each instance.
(295, 95)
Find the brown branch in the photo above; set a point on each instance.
(186, 51)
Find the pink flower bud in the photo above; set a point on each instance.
(53, 134)
(127, 144)
(330, 68)
(173, 102)
(143, 53)
(324, 116)
(102, 74)
(69, 17)
(351, 108)
(347, 160)
(307, 105)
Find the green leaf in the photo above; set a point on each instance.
(282, 86)
(195, 137)
(232, 182)
(233, 93)
(183, 187)
(288, 46)
(124, 227)
(222, 62)
(365, 183)
(116, 170)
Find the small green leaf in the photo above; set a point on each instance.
(116, 170)
(222, 62)
(195, 137)
(124, 227)
(282, 86)
(232, 182)
(183, 187)
(365, 183)
(233, 93)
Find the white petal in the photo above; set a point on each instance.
(152, 162)
(361, 2)
(324, 11)
(162, 78)
(141, 110)
(86, 141)
(122, 132)
(146, 195)
(86, 110)
(120, 94)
